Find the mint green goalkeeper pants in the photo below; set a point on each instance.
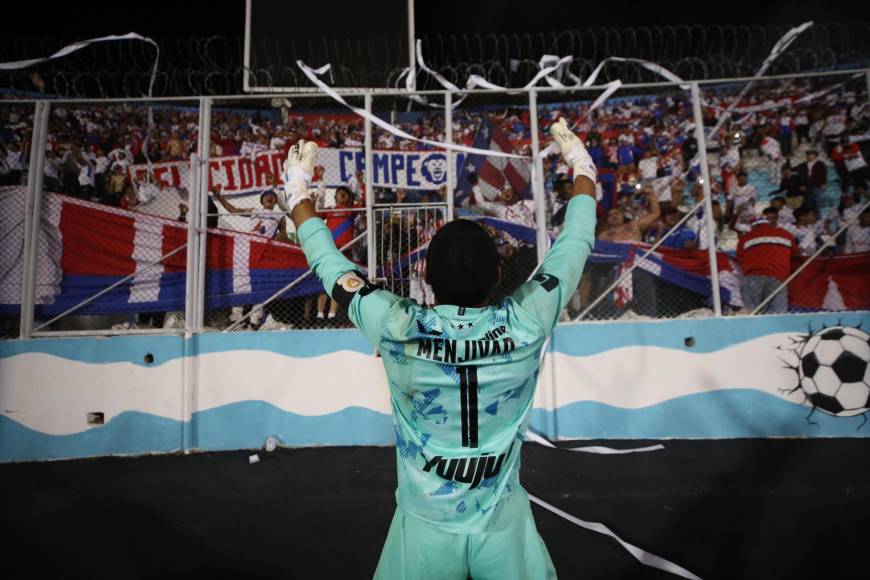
(417, 550)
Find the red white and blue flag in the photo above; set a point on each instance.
(493, 173)
(689, 269)
(86, 247)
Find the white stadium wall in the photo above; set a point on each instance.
(695, 378)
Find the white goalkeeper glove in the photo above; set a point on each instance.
(298, 170)
(573, 150)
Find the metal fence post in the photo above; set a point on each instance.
(191, 292)
(451, 156)
(708, 200)
(32, 215)
(538, 193)
(203, 176)
(26, 314)
(370, 193)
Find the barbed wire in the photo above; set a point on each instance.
(213, 65)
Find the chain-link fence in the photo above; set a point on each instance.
(410, 181)
(16, 131)
(112, 228)
(498, 190)
(126, 191)
(650, 257)
(256, 275)
(793, 152)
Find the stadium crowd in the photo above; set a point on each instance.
(779, 152)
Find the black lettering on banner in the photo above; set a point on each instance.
(468, 403)
(349, 285)
(548, 281)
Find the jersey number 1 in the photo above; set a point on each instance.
(468, 395)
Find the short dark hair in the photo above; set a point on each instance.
(346, 189)
(462, 264)
(770, 209)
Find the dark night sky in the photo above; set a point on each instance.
(211, 17)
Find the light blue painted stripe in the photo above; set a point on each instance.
(297, 343)
(130, 433)
(132, 349)
(709, 334)
(730, 413)
(734, 413)
(244, 425)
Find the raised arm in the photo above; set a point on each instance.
(367, 306)
(545, 295)
(316, 239)
(654, 213)
(227, 205)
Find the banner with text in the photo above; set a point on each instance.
(247, 174)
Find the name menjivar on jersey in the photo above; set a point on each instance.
(447, 349)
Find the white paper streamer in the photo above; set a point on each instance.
(411, 77)
(312, 75)
(475, 81)
(611, 88)
(785, 102)
(597, 449)
(20, 64)
(642, 556)
(438, 77)
(546, 71)
(651, 66)
(550, 59)
(781, 45)
(548, 65)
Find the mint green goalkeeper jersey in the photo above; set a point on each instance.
(462, 380)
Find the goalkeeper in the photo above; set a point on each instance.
(462, 379)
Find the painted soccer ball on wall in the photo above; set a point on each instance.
(834, 370)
